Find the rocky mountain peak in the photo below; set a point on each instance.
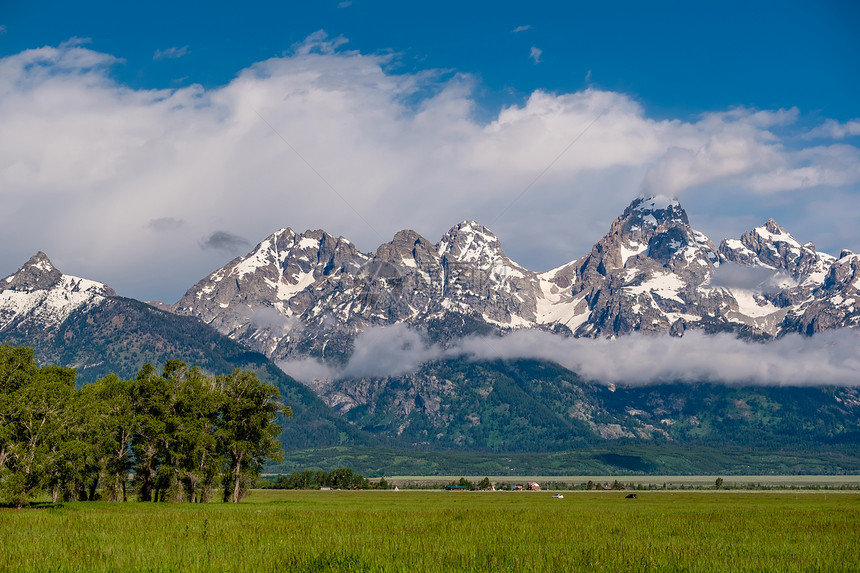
(38, 273)
(654, 228)
(656, 210)
(644, 272)
(406, 246)
(409, 250)
(773, 247)
(775, 228)
(470, 242)
(39, 296)
(286, 256)
(833, 302)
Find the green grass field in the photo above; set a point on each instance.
(444, 531)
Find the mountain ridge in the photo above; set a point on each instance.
(310, 294)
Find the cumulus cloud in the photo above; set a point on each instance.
(832, 129)
(812, 168)
(224, 241)
(535, 54)
(829, 358)
(726, 154)
(171, 53)
(83, 157)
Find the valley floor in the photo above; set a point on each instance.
(444, 531)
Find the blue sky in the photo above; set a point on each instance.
(136, 135)
(676, 57)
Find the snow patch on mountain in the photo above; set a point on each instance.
(40, 295)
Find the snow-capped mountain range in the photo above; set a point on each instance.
(310, 294)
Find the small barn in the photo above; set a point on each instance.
(533, 486)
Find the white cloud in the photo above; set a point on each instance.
(535, 54)
(522, 28)
(834, 130)
(829, 358)
(390, 350)
(87, 164)
(832, 357)
(308, 369)
(811, 168)
(758, 279)
(170, 53)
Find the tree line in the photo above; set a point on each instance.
(180, 434)
(338, 478)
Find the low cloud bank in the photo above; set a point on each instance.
(733, 275)
(829, 358)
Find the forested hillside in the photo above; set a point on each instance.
(536, 406)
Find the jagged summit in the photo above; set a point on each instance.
(660, 207)
(38, 273)
(257, 295)
(470, 241)
(655, 203)
(38, 295)
(772, 247)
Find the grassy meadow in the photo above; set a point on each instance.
(444, 531)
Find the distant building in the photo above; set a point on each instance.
(533, 486)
